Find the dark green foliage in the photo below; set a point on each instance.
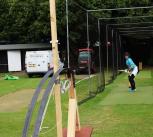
(25, 21)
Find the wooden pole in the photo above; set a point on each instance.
(73, 114)
(56, 66)
(72, 95)
(72, 118)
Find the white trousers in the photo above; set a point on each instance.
(135, 71)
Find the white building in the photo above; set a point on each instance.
(12, 56)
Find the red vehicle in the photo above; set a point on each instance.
(85, 59)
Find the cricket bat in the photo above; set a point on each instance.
(123, 70)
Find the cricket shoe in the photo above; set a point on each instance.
(132, 90)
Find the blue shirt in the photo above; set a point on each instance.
(130, 63)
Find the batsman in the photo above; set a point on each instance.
(133, 70)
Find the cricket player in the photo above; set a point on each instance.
(133, 70)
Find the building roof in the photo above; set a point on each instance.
(25, 46)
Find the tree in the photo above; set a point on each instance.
(25, 21)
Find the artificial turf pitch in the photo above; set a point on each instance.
(113, 113)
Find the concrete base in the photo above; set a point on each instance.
(84, 132)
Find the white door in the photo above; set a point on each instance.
(14, 60)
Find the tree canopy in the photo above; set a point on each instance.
(27, 21)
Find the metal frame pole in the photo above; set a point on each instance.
(135, 31)
(88, 45)
(122, 59)
(120, 65)
(67, 29)
(128, 8)
(107, 48)
(100, 61)
(117, 50)
(134, 23)
(133, 28)
(113, 52)
(126, 17)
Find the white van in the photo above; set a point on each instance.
(38, 62)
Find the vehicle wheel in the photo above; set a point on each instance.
(77, 72)
(30, 75)
(42, 75)
(93, 70)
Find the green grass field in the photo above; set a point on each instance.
(16, 85)
(113, 113)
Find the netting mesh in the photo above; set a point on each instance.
(101, 68)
